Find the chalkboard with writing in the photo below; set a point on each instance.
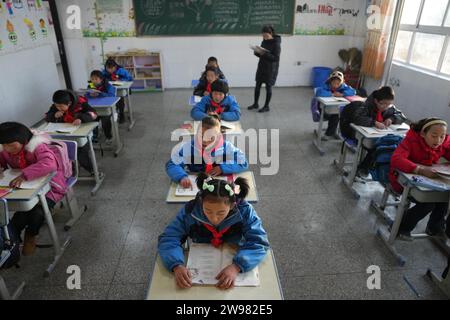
(212, 17)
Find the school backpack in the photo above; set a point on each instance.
(347, 118)
(9, 245)
(381, 157)
(59, 148)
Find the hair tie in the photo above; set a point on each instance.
(208, 187)
(230, 190)
(432, 123)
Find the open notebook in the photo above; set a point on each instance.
(334, 99)
(117, 83)
(394, 128)
(8, 175)
(60, 127)
(258, 49)
(443, 170)
(192, 192)
(205, 262)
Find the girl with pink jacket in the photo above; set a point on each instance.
(21, 149)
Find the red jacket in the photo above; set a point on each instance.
(413, 151)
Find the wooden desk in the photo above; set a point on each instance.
(163, 286)
(81, 136)
(106, 107)
(252, 196)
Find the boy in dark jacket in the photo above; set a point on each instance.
(378, 111)
(69, 108)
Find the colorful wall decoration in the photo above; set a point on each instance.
(339, 17)
(23, 25)
(111, 19)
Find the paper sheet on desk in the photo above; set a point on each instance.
(192, 192)
(117, 83)
(197, 99)
(205, 262)
(392, 129)
(8, 175)
(334, 99)
(60, 127)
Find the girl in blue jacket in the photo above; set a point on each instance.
(334, 87)
(206, 152)
(218, 214)
(115, 72)
(219, 102)
(99, 82)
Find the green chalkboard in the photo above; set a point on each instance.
(212, 17)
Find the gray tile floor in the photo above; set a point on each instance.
(323, 239)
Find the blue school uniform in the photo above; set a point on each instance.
(231, 110)
(122, 74)
(230, 159)
(245, 230)
(107, 90)
(325, 91)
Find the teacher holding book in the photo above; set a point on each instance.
(269, 62)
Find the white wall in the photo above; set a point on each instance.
(421, 95)
(185, 57)
(29, 78)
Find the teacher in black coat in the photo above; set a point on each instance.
(269, 62)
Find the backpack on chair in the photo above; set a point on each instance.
(59, 148)
(381, 159)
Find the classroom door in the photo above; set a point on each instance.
(57, 41)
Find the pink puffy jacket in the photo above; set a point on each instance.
(42, 162)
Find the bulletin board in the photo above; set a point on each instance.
(339, 17)
(23, 25)
(108, 18)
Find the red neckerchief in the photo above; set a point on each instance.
(69, 117)
(114, 76)
(206, 155)
(218, 107)
(216, 241)
(22, 159)
(380, 116)
(208, 87)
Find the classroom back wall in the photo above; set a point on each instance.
(184, 57)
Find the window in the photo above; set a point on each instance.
(446, 64)
(427, 50)
(433, 12)
(423, 40)
(410, 11)
(402, 45)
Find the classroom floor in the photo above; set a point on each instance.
(323, 240)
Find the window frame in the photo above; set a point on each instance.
(435, 30)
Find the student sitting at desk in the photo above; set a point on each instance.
(99, 82)
(377, 111)
(335, 86)
(69, 108)
(219, 214)
(219, 102)
(20, 149)
(207, 152)
(423, 146)
(204, 86)
(212, 62)
(115, 72)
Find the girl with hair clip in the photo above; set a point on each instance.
(219, 214)
(423, 146)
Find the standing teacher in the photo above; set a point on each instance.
(269, 62)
